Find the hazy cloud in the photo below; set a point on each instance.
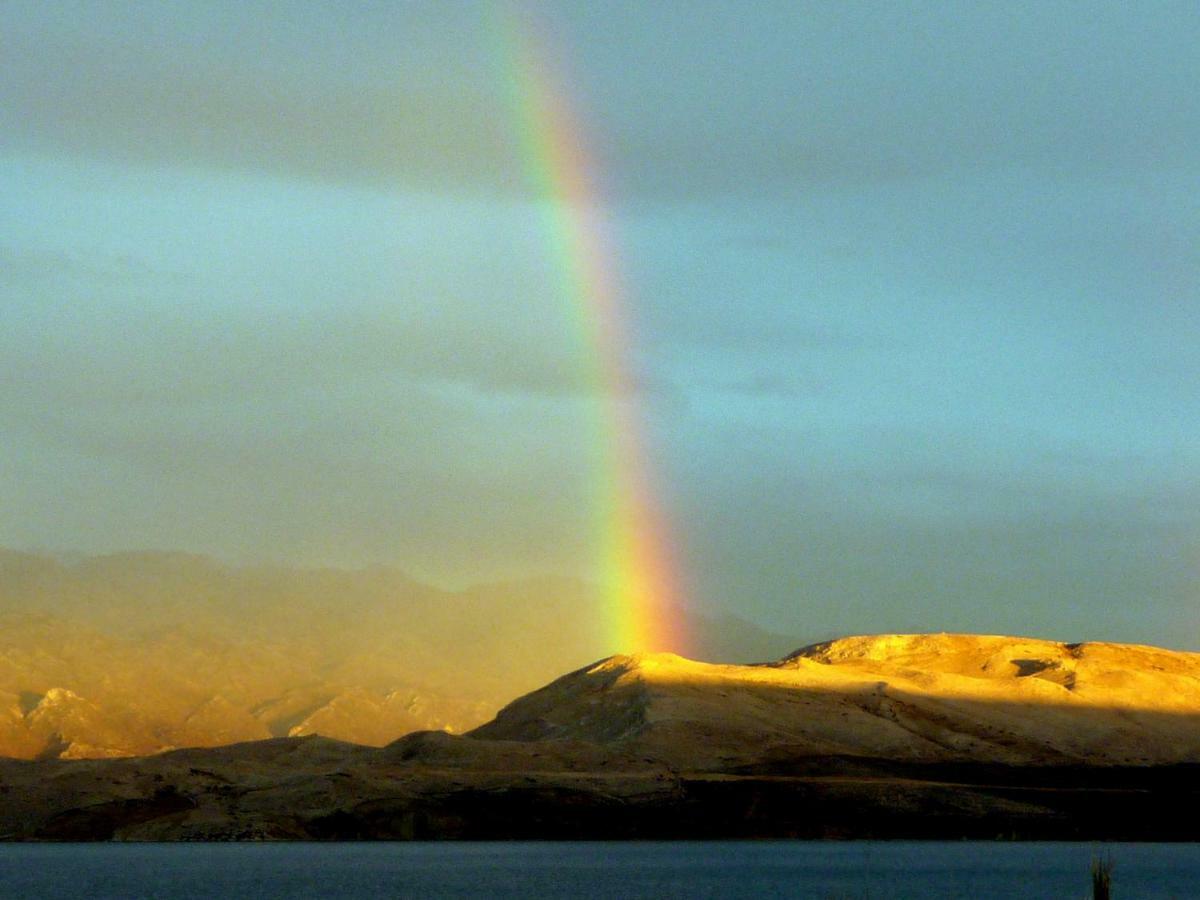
(910, 291)
(796, 95)
(393, 100)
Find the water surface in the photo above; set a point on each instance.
(859, 869)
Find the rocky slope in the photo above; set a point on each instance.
(888, 736)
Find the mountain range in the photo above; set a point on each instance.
(949, 736)
(139, 653)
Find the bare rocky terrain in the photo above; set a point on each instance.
(883, 736)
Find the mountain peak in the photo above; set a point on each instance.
(934, 697)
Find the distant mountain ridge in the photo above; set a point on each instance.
(148, 651)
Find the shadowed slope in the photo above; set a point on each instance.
(890, 736)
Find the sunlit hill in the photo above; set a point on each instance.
(879, 736)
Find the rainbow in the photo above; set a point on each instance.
(639, 582)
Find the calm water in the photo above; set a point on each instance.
(712, 869)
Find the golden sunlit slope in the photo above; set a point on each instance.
(140, 652)
(946, 736)
(933, 698)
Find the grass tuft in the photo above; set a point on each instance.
(1102, 878)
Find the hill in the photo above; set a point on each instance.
(937, 697)
(948, 736)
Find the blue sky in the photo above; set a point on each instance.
(913, 286)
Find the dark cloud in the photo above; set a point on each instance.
(843, 550)
(680, 105)
(221, 88)
(805, 93)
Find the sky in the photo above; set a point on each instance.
(911, 293)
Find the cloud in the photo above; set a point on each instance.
(221, 88)
(713, 104)
(118, 331)
(365, 420)
(879, 542)
(275, 281)
(293, 445)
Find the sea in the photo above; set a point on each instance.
(833, 870)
